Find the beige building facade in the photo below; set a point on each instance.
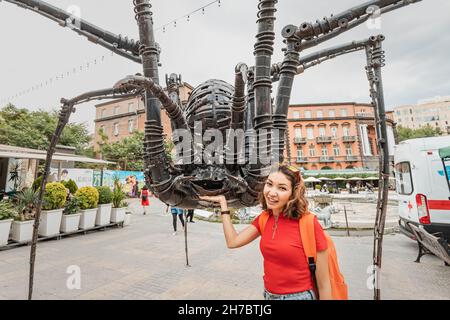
(435, 113)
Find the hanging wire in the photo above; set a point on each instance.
(87, 65)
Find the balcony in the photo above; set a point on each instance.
(364, 114)
(324, 139)
(349, 138)
(351, 158)
(326, 159)
(299, 140)
(302, 160)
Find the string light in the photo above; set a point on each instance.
(102, 58)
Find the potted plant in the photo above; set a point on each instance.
(88, 197)
(7, 214)
(71, 215)
(22, 226)
(71, 185)
(118, 203)
(104, 206)
(52, 209)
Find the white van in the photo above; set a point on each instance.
(422, 173)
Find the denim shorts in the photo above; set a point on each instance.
(304, 295)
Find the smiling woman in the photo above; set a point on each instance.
(287, 275)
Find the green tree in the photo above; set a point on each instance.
(129, 152)
(34, 129)
(422, 132)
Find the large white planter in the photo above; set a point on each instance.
(70, 222)
(22, 231)
(87, 219)
(50, 222)
(103, 214)
(5, 227)
(117, 215)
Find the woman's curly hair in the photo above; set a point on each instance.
(297, 204)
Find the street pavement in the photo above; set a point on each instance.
(145, 261)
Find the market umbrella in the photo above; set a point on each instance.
(324, 179)
(355, 179)
(339, 179)
(371, 178)
(311, 179)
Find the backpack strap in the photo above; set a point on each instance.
(306, 225)
(262, 220)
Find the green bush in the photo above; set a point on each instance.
(318, 186)
(118, 196)
(88, 197)
(105, 195)
(72, 206)
(26, 202)
(37, 183)
(54, 196)
(7, 211)
(71, 185)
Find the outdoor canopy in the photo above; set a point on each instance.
(311, 179)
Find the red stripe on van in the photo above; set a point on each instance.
(439, 204)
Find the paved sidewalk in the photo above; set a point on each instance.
(145, 261)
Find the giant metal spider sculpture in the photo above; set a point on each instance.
(214, 104)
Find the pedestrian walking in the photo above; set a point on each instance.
(287, 274)
(177, 212)
(145, 201)
(190, 215)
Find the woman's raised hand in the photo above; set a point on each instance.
(217, 199)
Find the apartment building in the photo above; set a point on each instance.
(434, 113)
(335, 136)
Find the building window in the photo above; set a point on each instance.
(103, 113)
(298, 132)
(116, 110)
(131, 107)
(130, 126)
(334, 131)
(296, 114)
(332, 113)
(336, 150)
(312, 151)
(116, 129)
(348, 150)
(310, 133)
(319, 114)
(343, 112)
(346, 131)
(324, 151)
(308, 114)
(299, 153)
(322, 131)
(102, 129)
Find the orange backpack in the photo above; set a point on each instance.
(306, 223)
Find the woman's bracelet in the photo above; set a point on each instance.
(225, 212)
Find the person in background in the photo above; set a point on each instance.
(190, 216)
(145, 195)
(177, 212)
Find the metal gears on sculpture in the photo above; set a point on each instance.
(214, 104)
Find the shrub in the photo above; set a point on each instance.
(105, 195)
(54, 196)
(318, 186)
(118, 196)
(88, 197)
(7, 211)
(71, 185)
(37, 183)
(26, 202)
(72, 206)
